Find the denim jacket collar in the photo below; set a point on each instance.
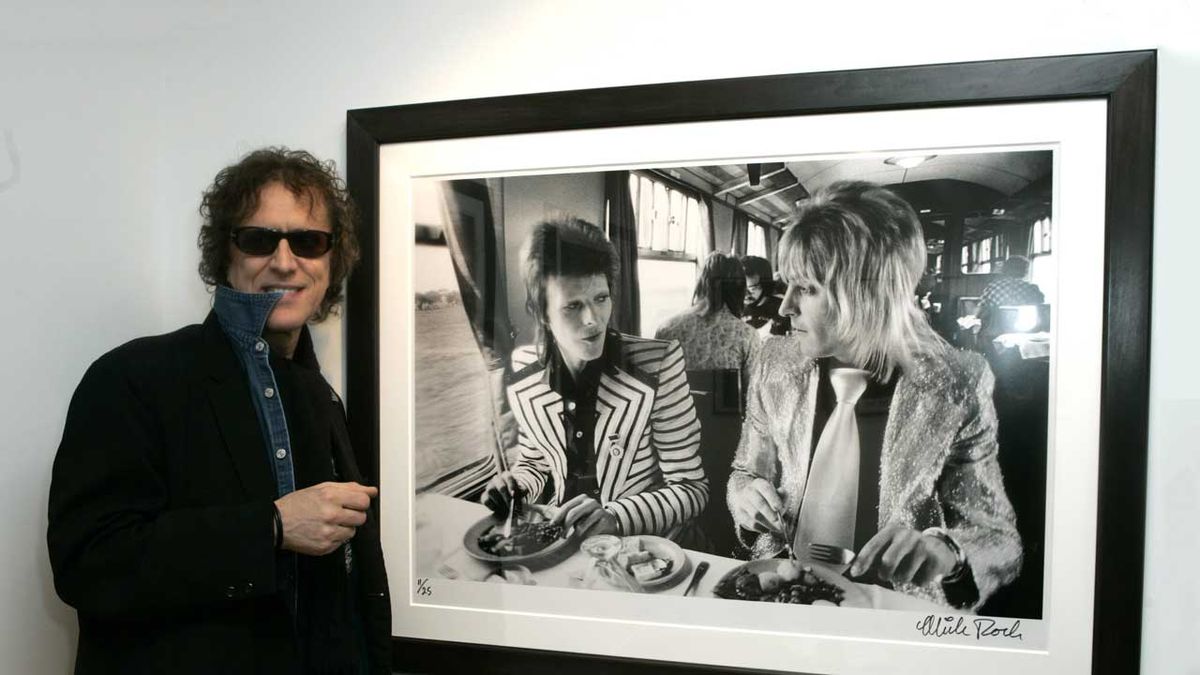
(243, 316)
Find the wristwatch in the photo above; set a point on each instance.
(960, 559)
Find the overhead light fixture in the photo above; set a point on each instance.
(755, 174)
(924, 211)
(908, 161)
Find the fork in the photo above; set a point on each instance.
(514, 505)
(832, 555)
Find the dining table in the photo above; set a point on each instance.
(442, 521)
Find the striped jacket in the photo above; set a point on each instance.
(647, 438)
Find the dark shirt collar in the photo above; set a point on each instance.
(875, 391)
(559, 376)
(244, 315)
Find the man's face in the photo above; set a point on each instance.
(577, 313)
(806, 303)
(754, 289)
(305, 280)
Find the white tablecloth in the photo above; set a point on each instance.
(1029, 345)
(442, 521)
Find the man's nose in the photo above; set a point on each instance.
(283, 259)
(789, 307)
(587, 315)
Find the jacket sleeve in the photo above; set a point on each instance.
(978, 515)
(675, 439)
(118, 547)
(756, 455)
(531, 470)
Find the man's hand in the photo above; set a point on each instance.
(499, 492)
(319, 519)
(900, 555)
(756, 507)
(587, 516)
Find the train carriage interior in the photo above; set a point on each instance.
(978, 209)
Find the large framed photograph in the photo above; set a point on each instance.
(596, 350)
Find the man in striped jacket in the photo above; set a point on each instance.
(607, 430)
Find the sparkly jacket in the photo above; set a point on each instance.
(647, 438)
(938, 464)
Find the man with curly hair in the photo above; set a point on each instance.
(206, 511)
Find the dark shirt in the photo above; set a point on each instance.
(871, 411)
(579, 415)
(766, 310)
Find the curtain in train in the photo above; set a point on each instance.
(707, 234)
(739, 233)
(476, 247)
(622, 232)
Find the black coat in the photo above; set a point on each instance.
(161, 519)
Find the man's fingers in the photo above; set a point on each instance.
(369, 490)
(866, 557)
(341, 535)
(927, 574)
(588, 522)
(350, 518)
(358, 501)
(564, 510)
(763, 523)
(768, 494)
(764, 512)
(579, 511)
(912, 563)
(898, 550)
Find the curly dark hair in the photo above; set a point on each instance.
(233, 197)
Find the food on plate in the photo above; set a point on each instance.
(770, 581)
(649, 571)
(527, 537)
(645, 565)
(787, 583)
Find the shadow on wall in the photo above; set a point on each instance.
(61, 614)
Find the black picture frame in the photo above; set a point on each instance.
(1126, 81)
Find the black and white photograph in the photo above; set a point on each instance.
(807, 382)
(814, 392)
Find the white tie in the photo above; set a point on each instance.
(830, 504)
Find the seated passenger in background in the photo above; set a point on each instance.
(719, 349)
(761, 309)
(865, 430)
(606, 425)
(1010, 289)
(711, 332)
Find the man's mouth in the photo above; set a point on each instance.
(289, 291)
(593, 338)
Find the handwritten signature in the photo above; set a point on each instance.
(942, 626)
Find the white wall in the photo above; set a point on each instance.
(122, 112)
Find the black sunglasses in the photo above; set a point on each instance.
(264, 241)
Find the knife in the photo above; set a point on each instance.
(696, 577)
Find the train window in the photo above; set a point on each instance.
(756, 239)
(1041, 243)
(668, 220)
(453, 421)
(670, 241)
(984, 255)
